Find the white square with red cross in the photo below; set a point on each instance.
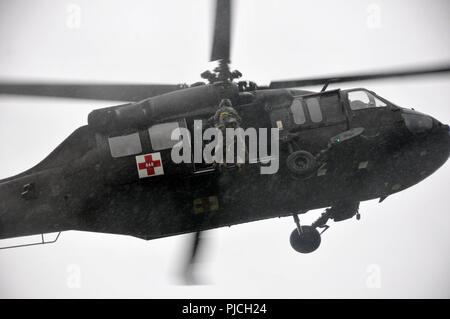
(149, 165)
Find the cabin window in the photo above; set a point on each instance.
(314, 110)
(361, 99)
(298, 112)
(160, 135)
(125, 145)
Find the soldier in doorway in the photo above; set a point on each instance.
(227, 117)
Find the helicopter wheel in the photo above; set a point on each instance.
(301, 163)
(307, 241)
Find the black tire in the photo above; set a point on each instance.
(301, 163)
(306, 242)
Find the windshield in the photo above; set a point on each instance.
(362, 99)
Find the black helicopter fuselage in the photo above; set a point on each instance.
(86, 185)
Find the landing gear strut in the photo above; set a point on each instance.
(304, 239)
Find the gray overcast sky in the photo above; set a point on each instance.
(400, 248)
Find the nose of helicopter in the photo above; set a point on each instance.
(448, 140)
(440, 140)
(432, 140)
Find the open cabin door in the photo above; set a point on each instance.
(254, 119)
(199, 165)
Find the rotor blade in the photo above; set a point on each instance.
(222, 31)
(119, 92)
(189, 271)
(445, 68)
(195, 246)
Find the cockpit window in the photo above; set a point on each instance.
(160, 135)
(125, 145)
(319, 108)
(361, 99)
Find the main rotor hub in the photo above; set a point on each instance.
(221, 73)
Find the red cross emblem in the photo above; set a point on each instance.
(149, 165)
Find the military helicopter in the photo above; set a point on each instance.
(116, 175)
